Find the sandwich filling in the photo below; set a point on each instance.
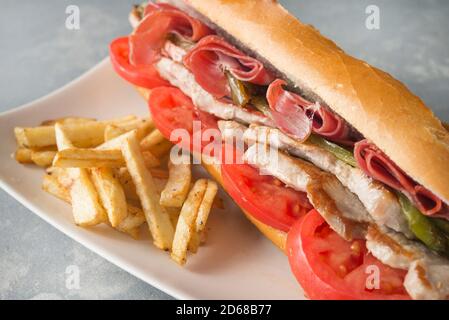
(355, 187)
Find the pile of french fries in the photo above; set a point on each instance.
(118, 172)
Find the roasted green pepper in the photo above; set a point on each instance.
(443, 224)
(261, 104)
(340, 152)
(239, 92)
(423, 227)
(180, 41)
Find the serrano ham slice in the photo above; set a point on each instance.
(377, 165)
(299, 117)
(212, 56)
(151, 33)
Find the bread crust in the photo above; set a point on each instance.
(373, 102)
(278, 237)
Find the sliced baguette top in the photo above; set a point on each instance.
(373, 102)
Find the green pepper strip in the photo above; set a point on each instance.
(423, 227)
(180, 41)
(239, 93)
(261, 104)
(340, 152)
(443, 224)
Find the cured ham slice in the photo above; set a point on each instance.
(377, 165)
(151, 33)
(212, 56)
(299, 117)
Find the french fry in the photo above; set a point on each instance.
(150, 160)
(112, 131)
(161, 149)
(174, 215)
(159, 173)
(116, 143)
(82, 134)
(186, 222)
(136, 124)
(151, 140)
(43, 158)
(157, 217)
(145, 129)
(86, 206)
(51, 185)
(35, 137)
(23, 155)
(111, 195)
(66, 120)
(119, 121)
(203, 215)
(62, 175)
(88, 158)
(127, 184)
(85, 134)
(61, 138)
(177, 188)
(131, 224)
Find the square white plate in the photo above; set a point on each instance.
(237, 261)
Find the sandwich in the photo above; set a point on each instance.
(334, 160)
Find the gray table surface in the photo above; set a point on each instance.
(38, 55)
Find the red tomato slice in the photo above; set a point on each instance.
(142, 76)
(172, 110)
(331, 268)
(266, 198)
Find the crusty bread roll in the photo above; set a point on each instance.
(278, 237)
(373, 102)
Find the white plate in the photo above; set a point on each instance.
(237, 261)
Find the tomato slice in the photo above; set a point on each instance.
(331, 268)
(142, 76)
(266, 198)
(172, 110)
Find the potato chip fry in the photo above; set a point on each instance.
(203, 215)
(178, 185)
(88, 158)
(186, 222)
(111, 194)
(157, 217)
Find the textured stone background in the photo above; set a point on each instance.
(38, 55)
